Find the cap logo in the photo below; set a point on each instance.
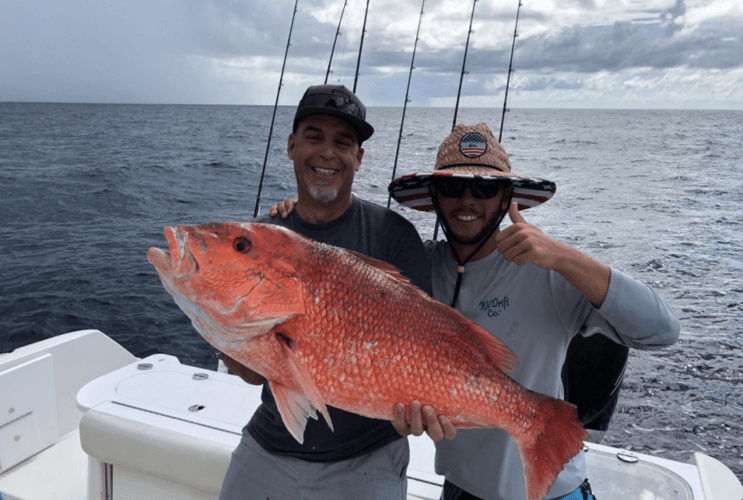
(473, 145)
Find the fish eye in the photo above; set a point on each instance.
(241, 245)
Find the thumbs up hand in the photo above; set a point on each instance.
(514, 214)
(523, 243)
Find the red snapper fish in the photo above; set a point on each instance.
(326, 326)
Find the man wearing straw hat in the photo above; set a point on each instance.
(532, 292)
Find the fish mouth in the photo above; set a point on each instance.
(177, 261)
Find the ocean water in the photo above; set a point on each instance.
(85, 189)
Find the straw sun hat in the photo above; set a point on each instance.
(470, 152)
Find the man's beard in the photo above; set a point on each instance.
(487, 230)
(474, 239)
(324, 195)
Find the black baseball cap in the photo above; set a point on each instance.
(334, 100)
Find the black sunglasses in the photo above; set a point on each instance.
(482, 190)
(338, 102)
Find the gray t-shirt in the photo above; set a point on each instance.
(535, 313)
(380, 233)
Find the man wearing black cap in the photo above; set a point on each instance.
(362, 458)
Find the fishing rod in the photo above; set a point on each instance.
(510, 65)
(464, 62)
(273, 119)
(407, 98)
(337, 34)
(361, 46)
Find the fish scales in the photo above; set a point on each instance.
(374, 354)
(326, 327)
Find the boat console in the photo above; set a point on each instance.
(159, 426)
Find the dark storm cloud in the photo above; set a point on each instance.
(656, 39)
(545, 83)
(228, 29)
(91, 51)
(230, 51)
(630, 45)
(590, 49)
(141, 50)
(671, 14)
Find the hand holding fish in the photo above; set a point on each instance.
(523, 243)
(423, 419)
(283, 208)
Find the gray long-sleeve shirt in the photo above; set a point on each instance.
(536, 313)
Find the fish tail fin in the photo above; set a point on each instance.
(550, 443)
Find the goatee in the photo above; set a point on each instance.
(324, 195)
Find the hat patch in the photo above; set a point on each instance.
(473, 145)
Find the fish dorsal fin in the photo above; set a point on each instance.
(297, 405)
(381, 265)
(499, 353)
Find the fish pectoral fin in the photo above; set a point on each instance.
(294, 408)
(297, 405)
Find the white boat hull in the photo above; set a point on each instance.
(154, 428)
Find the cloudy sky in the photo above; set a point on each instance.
(569, 53)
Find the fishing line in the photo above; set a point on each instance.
(510, 70)
(361, 46)
(273, 118)
(337, 34)
(407, 99)
(343, 58)
(464, 63)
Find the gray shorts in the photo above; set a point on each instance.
(255, 474)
